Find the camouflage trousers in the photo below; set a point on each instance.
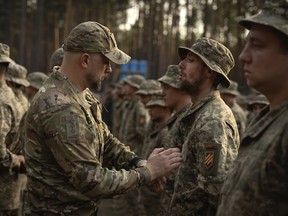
(9, 192)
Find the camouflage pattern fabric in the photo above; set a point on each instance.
(171, 140)
(257, 183)
(10, 116)
(171, 77)
(118, 110)
(209, 150)
(5, 53)
(67, 149)
(36, 79)
(56, 58)
(17, 73)
(22, 99)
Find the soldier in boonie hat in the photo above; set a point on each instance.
(57, 58)
(214, 54)
(17, 73)
(156, 100)
(171, 76)
(5, 53)
(95, 38)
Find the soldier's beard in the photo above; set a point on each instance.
(95, 86)
(192, 88)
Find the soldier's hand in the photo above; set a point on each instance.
(161, 161)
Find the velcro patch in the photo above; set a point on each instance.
(209, 159)
(72, 127)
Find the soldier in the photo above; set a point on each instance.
(257, 183)
(178, 101)
(10, 115)
(159, 114)
(211, 133)
(69, 147)
(16, 78)
(229, 95)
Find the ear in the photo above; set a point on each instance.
(84, 60)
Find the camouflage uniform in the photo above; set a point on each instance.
(17, 74)
(10, 115)
(257, 183)
(148, 196)
(212, 139)
(68, 145)
(238, 112)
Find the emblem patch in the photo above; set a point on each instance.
(209, 159)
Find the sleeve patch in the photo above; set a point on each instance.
(72, 127)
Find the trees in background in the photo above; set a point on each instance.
(35, 28)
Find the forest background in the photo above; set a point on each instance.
(145, 29)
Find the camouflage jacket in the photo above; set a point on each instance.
(134, 123)
(172, 140)
(22, 99)
(210, 147)
(67, 151)
(10, 116)
(257, 183)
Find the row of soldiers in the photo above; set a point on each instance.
(17, 88)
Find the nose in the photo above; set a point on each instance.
(244, 56)
(108, 69)
(181, 64)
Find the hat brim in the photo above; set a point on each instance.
(5, 59)
(263, 18)
(131, 84)
(182, 52)
(230, 92)
(118, 56)
(18, 81)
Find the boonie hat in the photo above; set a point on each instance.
(95, 38)
(134, 80)
(156, 100)
(171, 76)
(214, 54)
(36, 79)
(149, 87)
(5, 53)
(17, 73)
(232, 89)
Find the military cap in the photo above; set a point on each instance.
(258, 99)
(57, 58)
(5, 53)
(274, 14)
(232, 89)
(149, 87)
(17, 73)
(134, 80)
(214, 54)
(156, 100)
(36, 79)
(95, 38)
(171, 76)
